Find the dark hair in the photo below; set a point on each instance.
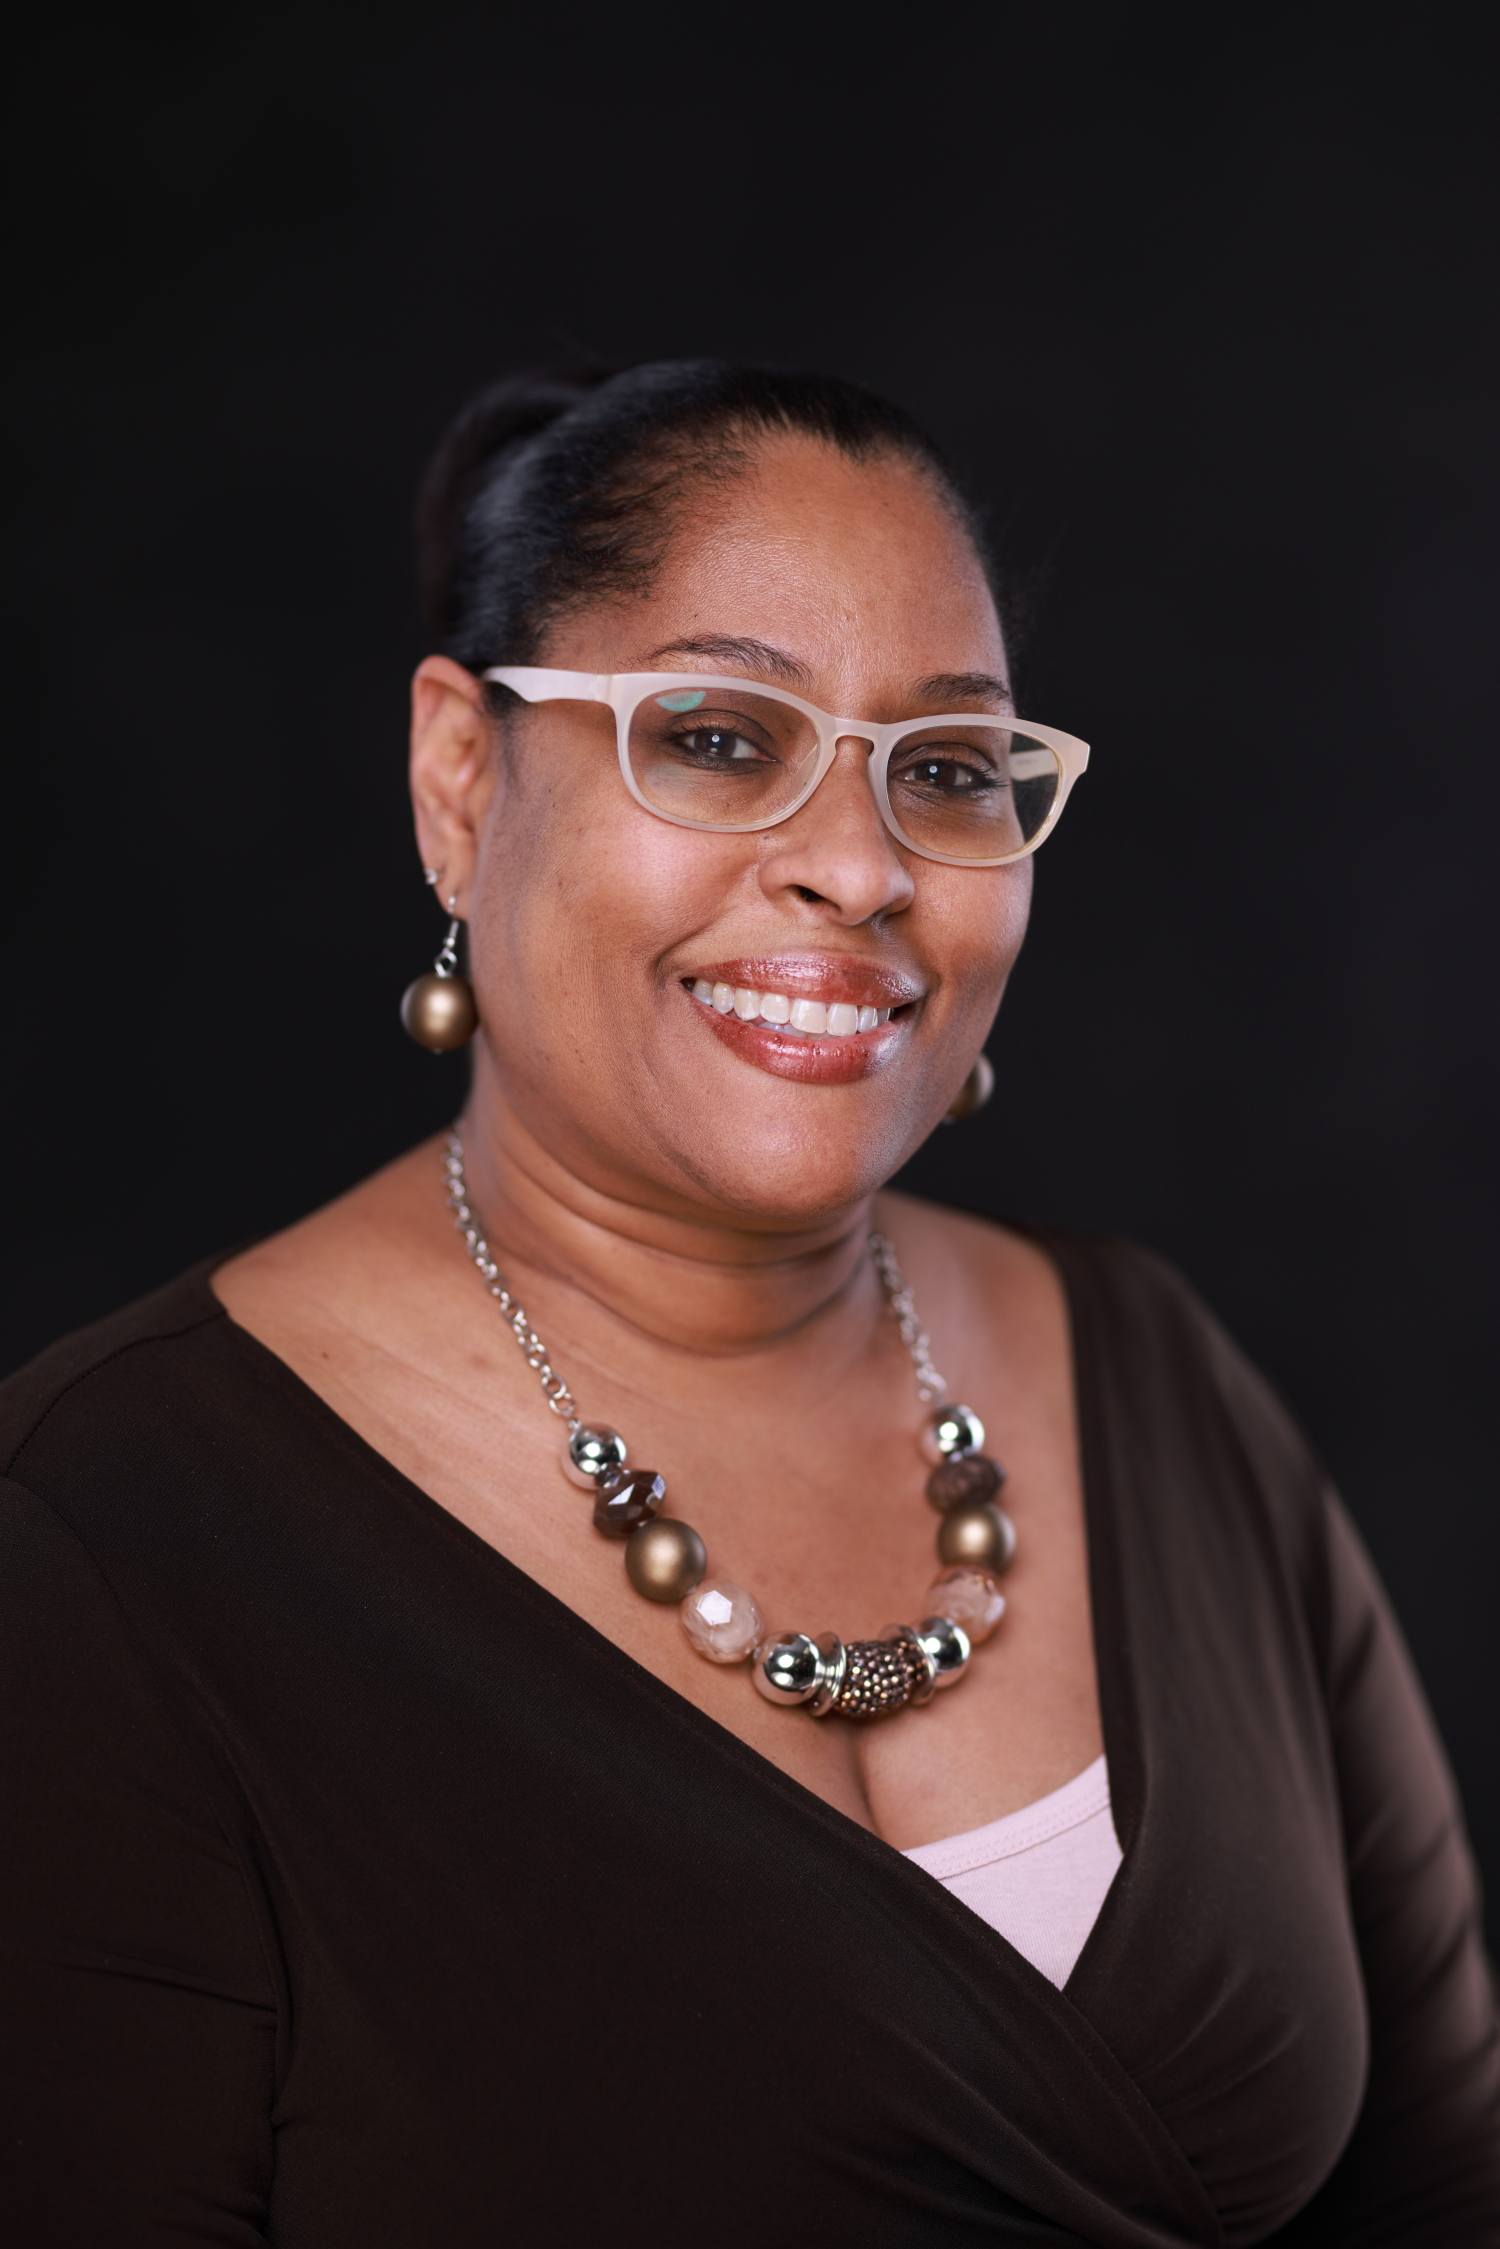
(555, 485)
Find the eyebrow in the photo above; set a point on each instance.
(770, 662)
(729, 648)
(958, 688)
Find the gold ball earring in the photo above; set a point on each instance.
(439, 1010)
(974, 1092)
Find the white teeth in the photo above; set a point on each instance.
(835, 1019)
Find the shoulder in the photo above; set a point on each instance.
(1153, 1346)
(1160, 1385)
(60, 1383)
(147, 1429)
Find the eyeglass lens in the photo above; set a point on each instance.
(970, 789)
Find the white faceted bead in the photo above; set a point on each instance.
(971, 1597)
(722, 1620)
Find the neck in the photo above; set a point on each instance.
(712, 1285)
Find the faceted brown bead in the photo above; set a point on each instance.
(964, 1479)
(625, 1500)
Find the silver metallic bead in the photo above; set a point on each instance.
(788, 1668)
(946, 1646)
(592, 1453)
(949, 1430)
(833, 1663)
(664, 1560)
(984, 1536)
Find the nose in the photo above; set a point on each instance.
(836, 854)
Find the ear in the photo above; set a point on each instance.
(450, 772)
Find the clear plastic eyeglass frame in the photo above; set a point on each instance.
(625, 692)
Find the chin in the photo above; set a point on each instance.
(807, 1174)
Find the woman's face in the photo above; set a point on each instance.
(591, 920)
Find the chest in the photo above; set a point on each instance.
(820, 1513)
(476, 1815)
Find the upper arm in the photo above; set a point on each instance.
(139, 2013)
(1423, 2164)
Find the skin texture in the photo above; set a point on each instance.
(683, 1213)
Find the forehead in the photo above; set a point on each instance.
(862, 569)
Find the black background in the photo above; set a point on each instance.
(1205, 310)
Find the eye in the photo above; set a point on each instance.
(717, 745)
(951, 772)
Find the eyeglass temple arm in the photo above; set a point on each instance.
(535, 685)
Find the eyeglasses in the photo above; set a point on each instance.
(965, 788)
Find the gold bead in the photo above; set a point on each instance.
(439, 1012)
(983, 1536)
(665, 1559)
(974, 1092)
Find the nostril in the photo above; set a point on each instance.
(812, 897)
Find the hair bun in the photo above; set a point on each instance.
(504, 414)
(559, 487)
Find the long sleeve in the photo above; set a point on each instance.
(139, 2024)
(1423, 2165)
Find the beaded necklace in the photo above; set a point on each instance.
(665, 1559)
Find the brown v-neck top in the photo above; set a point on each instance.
(359, 1895)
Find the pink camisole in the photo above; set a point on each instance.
(1039, 1875)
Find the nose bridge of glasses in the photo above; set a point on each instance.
(842, 734)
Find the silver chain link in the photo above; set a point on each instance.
(556, 1392)
(930, 1385)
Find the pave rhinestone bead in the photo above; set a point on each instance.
(592, 1453)
(788, 1669)
(983, 1535)
(626, 1499)
(964, 1479)
(972, 1598)
(951, 1429)
(665, 1559)
(922, 1666)
(722, 1621)
(946, 1645)
(879, 1678)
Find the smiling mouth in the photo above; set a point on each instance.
(792, 1016)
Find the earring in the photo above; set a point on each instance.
(438, 1010)
(974, 1092)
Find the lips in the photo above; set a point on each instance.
(832, 978)
(820, 1020)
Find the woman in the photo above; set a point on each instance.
(395, 1867)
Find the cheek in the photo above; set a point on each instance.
(977, 926)
(581, 891)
